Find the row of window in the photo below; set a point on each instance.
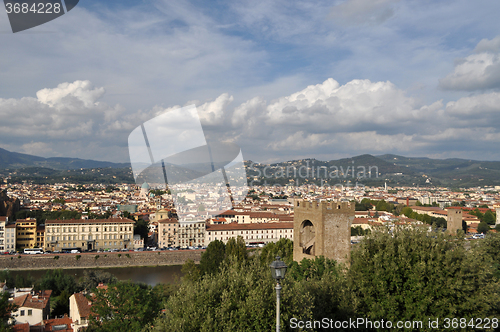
(75, 229)
(246, 232)
(90, 237)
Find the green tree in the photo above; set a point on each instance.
(282, 248)
(489, 218)
(413, 275)
(92, 278)
(6, 308)
(236, 299)
(237, 248)
(141, 227)
(212, 258)
(61, 305)
(483, 227)
(57, 281)
(123, 306)
(191, 271)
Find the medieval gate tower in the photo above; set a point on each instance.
(454, 221)
(322, 229)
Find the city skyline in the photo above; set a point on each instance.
(284, 81)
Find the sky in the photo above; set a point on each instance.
(284, 80)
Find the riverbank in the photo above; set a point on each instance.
(98, 260)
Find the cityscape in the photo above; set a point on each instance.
(221, 166)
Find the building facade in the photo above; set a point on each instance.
(90, 234)
(168, 231)
(251, 233)
(191, 234)
(10, 237)
(26, 233)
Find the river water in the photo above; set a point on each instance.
(148, 275)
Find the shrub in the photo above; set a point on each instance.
(78, 257)
(56, 257)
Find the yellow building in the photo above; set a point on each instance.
(26, 233)
(168, 233)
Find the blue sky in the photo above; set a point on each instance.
(282, 79)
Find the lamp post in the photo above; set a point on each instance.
(278, 270)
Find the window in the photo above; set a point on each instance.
(30, 312)
(22, 312)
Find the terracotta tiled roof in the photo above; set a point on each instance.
(83, 305)
(97, 221)
(29, 301)
(235, 226)
(49, 324)
(21, 327)
(169, 221)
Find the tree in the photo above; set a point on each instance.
(57, 281)
(5, 310)
(483, 227)
(141, 227)
(212, 257)
(237, 248)
(191, 271)
(412, 275)
(489, 218)
(236, 299)
(123, 306)
(282, 248)
(92, 278)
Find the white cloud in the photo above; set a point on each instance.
(478, 71)
(67, 93)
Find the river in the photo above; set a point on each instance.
(148, 275)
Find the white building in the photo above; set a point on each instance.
(251, 233)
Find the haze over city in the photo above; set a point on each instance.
(283, 80)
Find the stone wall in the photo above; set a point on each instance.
(454, 222)
(322, 229)
(97, 260)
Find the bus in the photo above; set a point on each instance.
(33, 251)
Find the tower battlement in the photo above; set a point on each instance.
(327, 207)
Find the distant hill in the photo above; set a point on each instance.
(14, 160)
(368, 170)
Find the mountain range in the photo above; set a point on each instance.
(391, 169)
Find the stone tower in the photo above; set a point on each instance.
(322, 229)
(454, 221)
(497, 222)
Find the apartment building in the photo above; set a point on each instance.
(3, 221)
(89, 234)
(10, 237)
(191, 234)
(26, 233)
(168, 230)
(251, 233)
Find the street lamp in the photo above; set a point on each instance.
(278, 270)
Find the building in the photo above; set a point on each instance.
(40, 236)
(168, 230)
(191, 234)
(26, 233)
(322, 229)
(138, 241)
(33, 307)
(251, 233)
(79, 310)
(90, 234)
(3, 221)
(10, 237)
